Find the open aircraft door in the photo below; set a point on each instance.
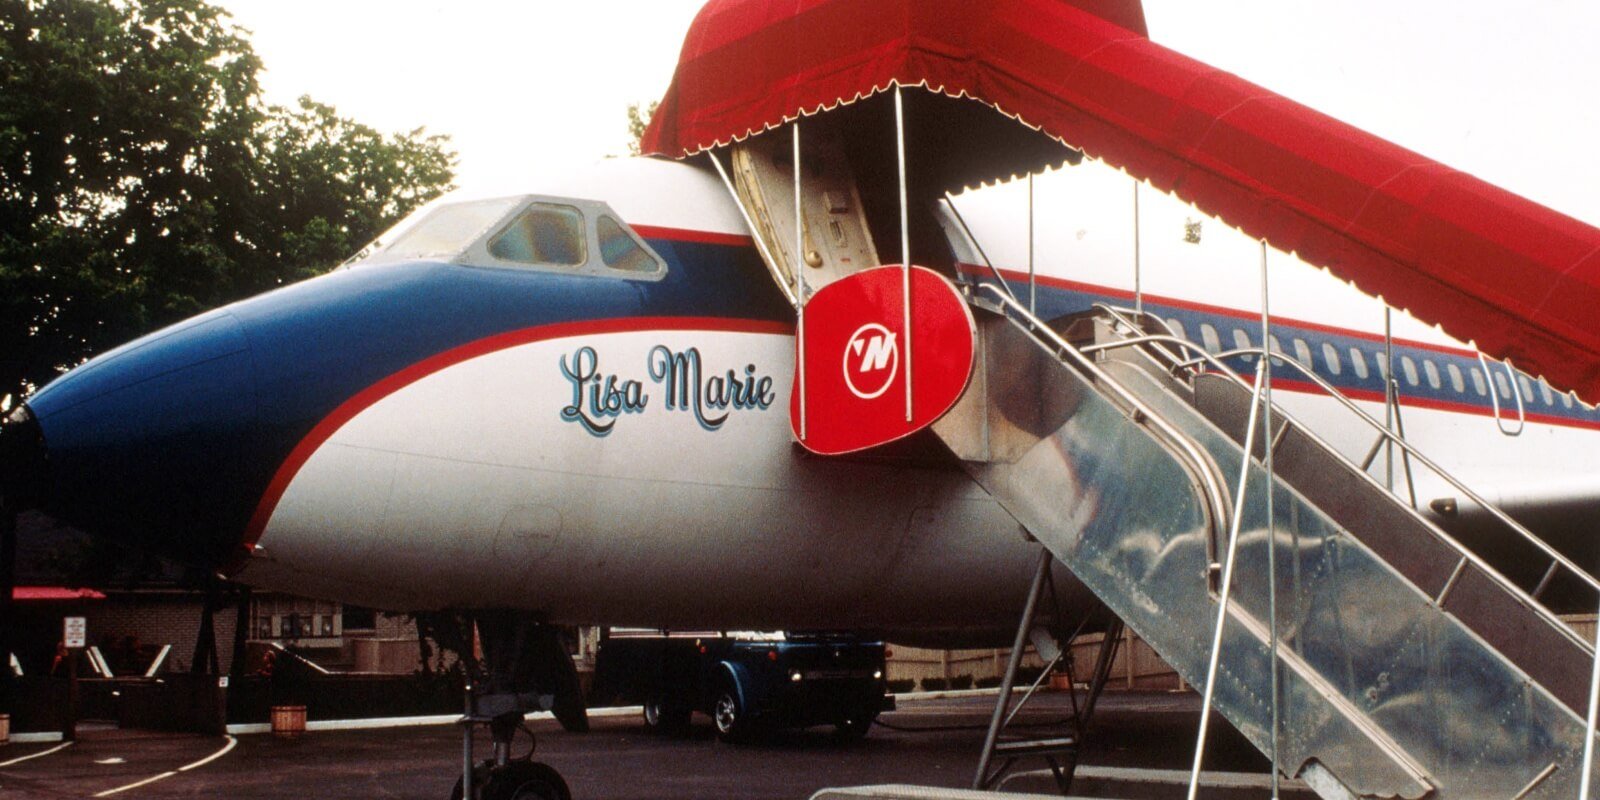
(836, 238)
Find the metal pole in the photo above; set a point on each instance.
(749, 222)
(1138, 290)
(1227, 585)
(8, 620)
(1388, 396)
(1588, 739)
(466, 744)
(799, 283)
(1040, 574)
(905, 240)
(1033, 284)
(1267, 440)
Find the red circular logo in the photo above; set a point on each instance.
(871, 360)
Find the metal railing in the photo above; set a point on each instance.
(1215, 361)
(1215, 499)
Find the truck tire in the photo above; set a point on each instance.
(666, 716)
(854, 728)
(729, 715)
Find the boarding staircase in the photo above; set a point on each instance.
(1407, 665)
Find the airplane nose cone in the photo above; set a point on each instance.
(145, 442)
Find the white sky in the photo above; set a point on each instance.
(1506, 91)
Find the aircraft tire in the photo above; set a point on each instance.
(522, 780)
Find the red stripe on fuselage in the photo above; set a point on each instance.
(686, 235)
(369, 396)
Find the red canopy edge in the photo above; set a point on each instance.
(1518, 279)
(26, 593)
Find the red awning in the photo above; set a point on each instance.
(1518, 279)
(25, 593)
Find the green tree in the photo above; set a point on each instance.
(143, 178)
(638, 120)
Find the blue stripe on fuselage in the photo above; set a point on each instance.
(310, 347)
(1416, 384)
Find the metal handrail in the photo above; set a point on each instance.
(1332, 391)
(1494, 397)
(1216, 504)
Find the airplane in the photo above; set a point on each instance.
(570, 405)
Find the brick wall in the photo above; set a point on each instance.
(154, 619)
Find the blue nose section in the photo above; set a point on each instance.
(144, 442)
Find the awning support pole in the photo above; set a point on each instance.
(1268, 440)
(799, 283)
(1227, 586)
(1388, 396)
(750, 223)
(1033, 283)
(905, 240)
(1589, 725)
(1138, 289)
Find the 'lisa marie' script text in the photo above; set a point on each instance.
(599, 399)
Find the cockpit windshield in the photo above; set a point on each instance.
(448, 229)
(531, 232)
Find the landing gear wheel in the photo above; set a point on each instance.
(521, 780)
(854, 728)
(666, 717)
(730, 716)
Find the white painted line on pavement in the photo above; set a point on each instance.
(244, 728)
(232, 742)
(21, 759)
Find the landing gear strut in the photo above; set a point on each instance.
(525, 668)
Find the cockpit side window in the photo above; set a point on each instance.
(544, 233)
(619, 250)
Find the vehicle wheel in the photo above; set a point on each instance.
(666, 717)
(854, 728)
(730, 717)
(522, 780)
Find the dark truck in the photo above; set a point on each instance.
(746, 683)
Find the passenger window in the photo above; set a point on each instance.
(1382, 362)
(1566, 400)
(543, 234)
(1208, 337)
(1358, 361)
(1177, 329)
(1241, 341)
(1527, 388)
(1544, 392)
(1456, 382)
(1477, 382)
(1277, 346)
(1431, 372)
(1302, 351)
(620, 250)
(1330, 357)
(1409, 367)
(1504, 385)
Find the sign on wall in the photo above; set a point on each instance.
(75, 631)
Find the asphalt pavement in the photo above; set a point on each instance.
(928, 741)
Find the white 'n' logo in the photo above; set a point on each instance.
(875, 363)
